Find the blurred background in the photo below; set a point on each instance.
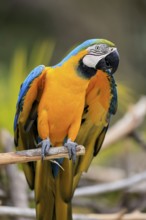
(34, 32)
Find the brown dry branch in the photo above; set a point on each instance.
(116, 216)
(17, 212)
(127, 124)
(30, 213)
(35, 154)
(110, 187)
(104, 174)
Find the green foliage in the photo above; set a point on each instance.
(21, 64)
(126, 96)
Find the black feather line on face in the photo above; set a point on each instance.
(85, 71)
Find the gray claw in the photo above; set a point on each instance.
(45, 144)
(71, 146)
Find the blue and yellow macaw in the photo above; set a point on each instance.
(66, 104)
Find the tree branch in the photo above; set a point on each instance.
(30, 213)
(139, 139)
(110, 187)
(116, 216)
(130, 121)
(35, 154)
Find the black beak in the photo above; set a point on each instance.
(109, 63)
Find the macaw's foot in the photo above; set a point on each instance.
(45, 144)
(71, 146)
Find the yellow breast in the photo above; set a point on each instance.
(63, 100)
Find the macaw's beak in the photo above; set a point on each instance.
(109, 63)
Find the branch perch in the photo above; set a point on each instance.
(35, 154)
(30, 213)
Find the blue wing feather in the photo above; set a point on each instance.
(26, 84)
(24, 88)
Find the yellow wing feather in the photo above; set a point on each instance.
(94, 121)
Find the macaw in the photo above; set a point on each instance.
(67, 104)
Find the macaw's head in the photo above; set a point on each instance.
(93, 55)
(100, 55)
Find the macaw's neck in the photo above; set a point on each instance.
(76, 62)
(85, 71)
(82, 70)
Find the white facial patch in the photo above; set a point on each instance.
(96, 53)
(91, 60)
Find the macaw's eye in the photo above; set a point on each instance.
(97, 47)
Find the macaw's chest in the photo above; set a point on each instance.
(63, 105)
(58, 100)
